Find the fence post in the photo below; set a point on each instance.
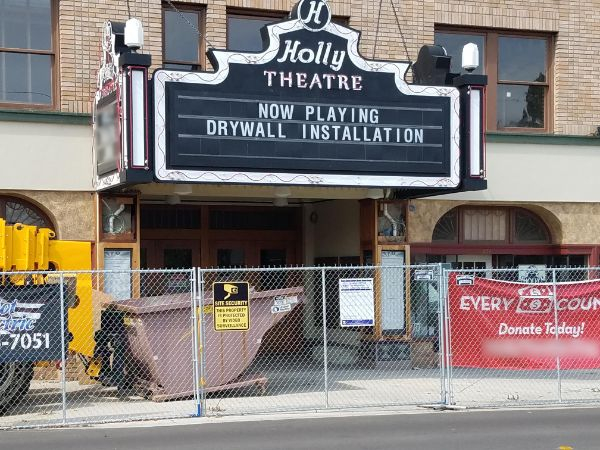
(195, 350)
(447, 339)
(440, 337)
(202, 338)
(325, 368)
(63, 365)
(558, 377)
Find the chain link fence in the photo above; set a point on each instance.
(523, 336)
(88, 347)
(81, 347)
(312, 340)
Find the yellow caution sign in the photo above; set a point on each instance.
(231, 306)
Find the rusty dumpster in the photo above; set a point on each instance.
(161, 349)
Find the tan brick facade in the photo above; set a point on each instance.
(576, 64)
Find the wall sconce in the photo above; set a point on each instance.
(173, 199)
(183, 189)
(375, 194)
(283, 192)
(280, 201)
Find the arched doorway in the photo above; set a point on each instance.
(484, 237)
(16, 210)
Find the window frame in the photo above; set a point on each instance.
(491, 39)
(510, 229)
(187, 7)
(4, 199)
(251, 14)
(262, 14)
(54, 72)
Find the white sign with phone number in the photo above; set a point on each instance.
(357, 306)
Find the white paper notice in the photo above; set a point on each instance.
(356, 302)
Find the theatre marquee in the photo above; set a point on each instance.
(307, 110)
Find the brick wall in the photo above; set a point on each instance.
(576, 99)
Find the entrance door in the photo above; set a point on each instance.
(168, 254)
(230, 253)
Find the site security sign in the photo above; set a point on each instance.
(30, 323)
(307, 110)
(231, 306)
(507, 325)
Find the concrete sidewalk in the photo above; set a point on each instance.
(289, 391)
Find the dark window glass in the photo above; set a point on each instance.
(178, 258)
(243, 33)
(252, 220)
(272, 258)
(26, 77)
(181, 41)
(273, 279)
(26, 24)
(446, 229)
(520, 106)
(14, 210)
(521, 59)
(143, 258)
(454, 43)
(169, 217)
(524, 60)
(230, 257)
(528, 228)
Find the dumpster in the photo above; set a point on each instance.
(159, 338)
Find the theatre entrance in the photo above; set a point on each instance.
(182, 236)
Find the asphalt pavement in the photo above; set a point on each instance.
(536, 429)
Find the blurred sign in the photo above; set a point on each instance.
(356, 302)
(231, 306)
(532, 273)
(424, 275)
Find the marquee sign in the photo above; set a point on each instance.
(307, 110)
(108, 155)
(120, 113)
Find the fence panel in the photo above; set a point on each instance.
(523, 336)
(260, 359)
(382, 362)
(314, 339)
(577, 333)
(126, 352)
(138, 361)
(32, 324)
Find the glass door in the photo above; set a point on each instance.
(168, 254)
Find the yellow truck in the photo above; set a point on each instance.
(34, 309)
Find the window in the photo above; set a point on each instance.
(169, 217)
(285, 219)
(243, 29)
(484, 225)
(518, 69)
(493, 225)
(183, 49)
(14, 210)
(27, 52)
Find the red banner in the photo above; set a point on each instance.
(507, 325)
